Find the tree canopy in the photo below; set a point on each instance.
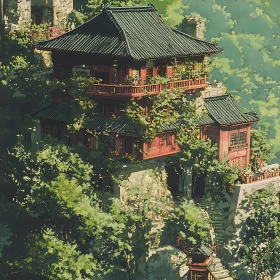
(260, 234)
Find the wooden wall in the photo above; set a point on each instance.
(237, 155)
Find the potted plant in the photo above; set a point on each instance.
(133, 80)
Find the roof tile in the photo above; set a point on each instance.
(135, 32)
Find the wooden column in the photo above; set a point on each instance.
(143, 73)
(249, 146)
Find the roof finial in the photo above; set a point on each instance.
(152, 5)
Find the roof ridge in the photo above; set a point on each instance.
(119, 28)
(149, 7)
(218, 97)
(195, 38)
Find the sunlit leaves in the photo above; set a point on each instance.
(261, 233)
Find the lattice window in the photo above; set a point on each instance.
(243, 137)
(233, 139)
(238, 140)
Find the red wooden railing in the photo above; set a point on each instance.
(260, 176)
(146, 89)
(211, 276)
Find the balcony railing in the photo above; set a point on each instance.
(142, 90)
(261, 175)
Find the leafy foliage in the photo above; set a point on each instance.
(261, 233)
(260, 148)
(189, 223)
(55, 193)
(25, 83)
(248, 32)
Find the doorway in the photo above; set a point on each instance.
(104, 76)
(198, 186)
(173, 180)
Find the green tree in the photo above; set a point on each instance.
(261, 152)
(25, 83)
(53, 193)
(189, 223)
(261, 233)
(248, 31)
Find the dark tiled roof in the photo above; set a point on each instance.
(55, 111)
(224, 111)
(135, 32)
(201, 250)
(65, 112)
(110, 125)
(205, 120)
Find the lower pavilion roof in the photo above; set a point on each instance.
(223, 111)
(220, 110)
(201, 250)
(64, 112)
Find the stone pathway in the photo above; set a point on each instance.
(218, 270)
(217, 220)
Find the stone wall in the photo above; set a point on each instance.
(149, 177)
(236, 218)
(20, 12)
(17, 12)
(61, 9)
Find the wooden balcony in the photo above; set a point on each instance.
(142, 90)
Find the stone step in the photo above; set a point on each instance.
(221, 273)
(217, 260)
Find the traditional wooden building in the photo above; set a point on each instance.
(125, 48)
(229, 127)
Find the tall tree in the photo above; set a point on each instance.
(53, 194)
(261, 233)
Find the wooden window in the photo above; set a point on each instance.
(37, 15)
(238, 140)
(162, 70)
(41, 15)
(81, 71)
(243, 137)
(61, 72)
(233, 139)
(198, 276)
(169, 139)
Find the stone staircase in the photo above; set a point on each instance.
(216, 267)
(217, 222)
(218, 271)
